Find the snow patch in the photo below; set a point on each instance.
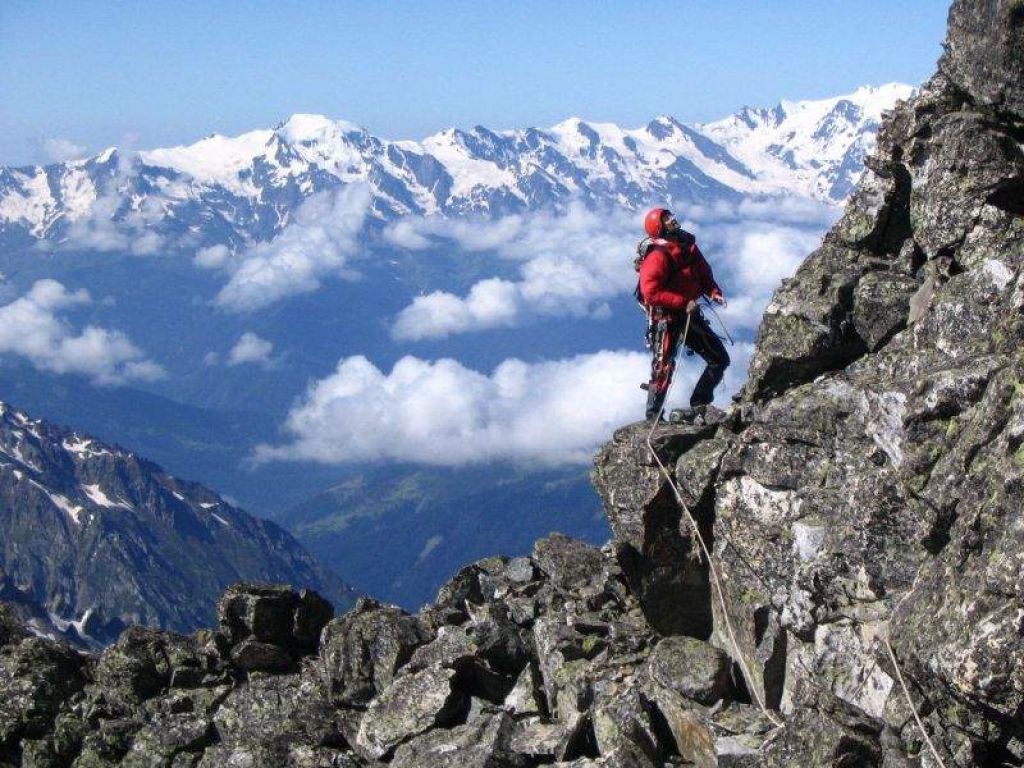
(220, 519)
(64, 504)
(98, 497)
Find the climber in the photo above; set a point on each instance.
(673, 276)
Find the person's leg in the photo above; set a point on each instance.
(702, 340)
(662, 366)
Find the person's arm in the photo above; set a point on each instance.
(654, 274)
(708, 285)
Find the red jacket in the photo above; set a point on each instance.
(675, 273)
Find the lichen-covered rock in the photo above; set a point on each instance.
(274, 614)
(868, 488)
(361, 651)
(984, 52)
(411, 705)
(36, 677)
(485, 743)
(692, 668)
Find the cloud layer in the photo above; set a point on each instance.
(31, 328)
(317, 243)
(111, 226)
(571, 263)
(442, 413)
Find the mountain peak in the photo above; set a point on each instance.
(318, 129)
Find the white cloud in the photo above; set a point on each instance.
(251, 349)
(31, 328)
(442, 413)
(214, 257)
(317, 243)
(110, 226)
(58, 150)
(571, 264)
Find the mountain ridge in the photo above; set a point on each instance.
(234, 190)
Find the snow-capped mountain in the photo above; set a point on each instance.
(811, 147)
(100, 538)
(233, 190)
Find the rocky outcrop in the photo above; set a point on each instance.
(868, 487)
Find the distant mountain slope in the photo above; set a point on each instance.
(233, 190)
(432, 520)
(99, 536)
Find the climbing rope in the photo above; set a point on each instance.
(720, 593)
(721, 322)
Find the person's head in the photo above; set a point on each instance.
(660, 222)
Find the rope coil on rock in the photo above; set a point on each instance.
(720, 593)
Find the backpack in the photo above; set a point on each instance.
(643, 250)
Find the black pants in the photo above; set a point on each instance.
(699, 338)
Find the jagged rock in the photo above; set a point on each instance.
(473, 585)
(36, 677)
(653, 545)
(690, 667)
(273, 614)
(984, 52)
(567, 562)
(167, 736)
(11, 629)
(252, 655)
(526, 696)
(520, 570)
(141, 664)
(412, 704)
(623, 725)
(485, 743)
(276, 709)
(361, 651)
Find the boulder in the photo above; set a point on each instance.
(361, 651)
(691, 667)
(274, 614)
(411, 705)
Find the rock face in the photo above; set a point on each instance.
(868, 487)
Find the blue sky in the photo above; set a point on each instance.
(155, 74)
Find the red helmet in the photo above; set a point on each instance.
(654, 220)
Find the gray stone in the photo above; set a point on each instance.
(361, 651)
(692, 668)
(411, 705)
